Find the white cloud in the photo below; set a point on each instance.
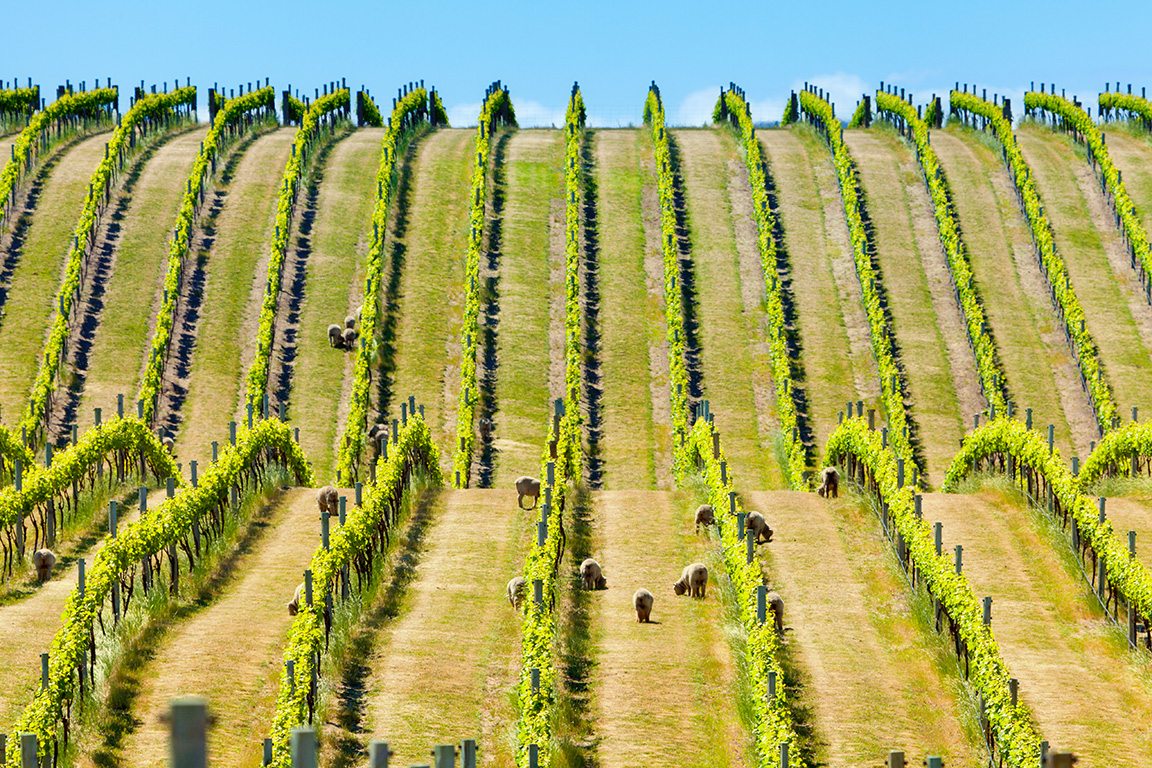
(464, 115)
(842, 89)
(696, 108)
(533, 114)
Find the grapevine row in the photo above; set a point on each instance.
(1136, 106)
(573, 312)
(992, 379)
(411, 110)
(1052, 265)
(732, 106)
(17, 105)
(233, 117)
(149, 112)
(496, 111)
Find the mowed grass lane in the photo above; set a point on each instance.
(632, 335)
(237, 270)
(37, 276)
(1131, 152)
(534, 180)
(1030, 345)
(333, 289)
(1076, 673)
(431, 300)
(942, 388)
(729, 300)
(838, 365)
(873, 673)
(1116, 310)
(135, 290)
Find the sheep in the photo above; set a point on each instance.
(693, 579)
(486, 426)
(43, 560)
(516, 589)
(829, 483)
(755, 524)
(527, 486)
(350, 321)
(335, 336)
(169, 445)
(642, 602)
(349, 337)
(294, 606)
(705, 516)
(775, 604)
(592, 575)
(328, 500)
(378, 433)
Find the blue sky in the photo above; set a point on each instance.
(613, 48)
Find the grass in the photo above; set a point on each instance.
(1083, 243)
(120, 350)
(236, 269)
(734, 356)
(889, 176)
(333, 289)
(533, 173)
(29, 307)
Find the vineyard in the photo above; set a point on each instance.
(332, 434)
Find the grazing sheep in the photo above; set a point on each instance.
(829, 483)
(705, 516)
(328, 500)
(294, 606)
(43, 560)
(486, 426)
(592, 574)
(527, 486)
(756, 524)
(169, 445)
(349, 337)
(776, 606)
(642, 602)
(693, 579)
(335, 336)
(516, 589)
(378, 433)
(350, 321)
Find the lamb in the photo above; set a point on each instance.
(335, 336)
(43, 560)
(592, 575)
(756, 524)
(349, 337)
(829, 483)
(693, 579)
(328, 500)
(294, 606)
(350, 321)
(776, 606)
(642, 602)
(516, 589)
(527, 486)
(705, 516)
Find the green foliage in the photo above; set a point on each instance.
(1072, 314)
(294, 109)
(436, 110)
(352, 445)
(371, 113)
(820, 113)
(232, 114)
(859, 449)
(739, 112)
(150, 112)
(310, 129)
(858, 116)
(992, 379)
(11, 448)
(351, 545)
(269, 442)
(496, 110)
(570, 424)
(22, 101)
(1114, 102)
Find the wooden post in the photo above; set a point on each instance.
(192, 466)
(740, 525)
(43, 671)
(189, 732)
(378, 754)
(784, 755)
(987, 601)
(444, 756)
(959, 559)
(308, 587)
(28, 750)
(467, 753)
(267, 752)
(1014, 690)
(750, 541)
(538, 593)
(895, 759)
(1028, 418)
(533, 756)
(761, 603)
(303, 746)
(534, 679)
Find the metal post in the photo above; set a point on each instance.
(378, 754)
(938, 530)
(189, 732)
(467, 753)
(303, 745)
(1014, 690)
(959, 559)
(267, 752)
(28, 750)
(987, 606)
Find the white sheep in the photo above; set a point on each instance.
(297, 599)
(169, 445)
(335, 336)
(378, 433)
(755, 524)
(705, 516)
(328, 500)
(829, 483)
(43, 561)
(349, 337)
(516, 588)
(527, 486)
(693, 579)
(642, 602)
(592, 575)
(350, 321)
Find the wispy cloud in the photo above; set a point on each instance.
(696, 108)
(529, 114)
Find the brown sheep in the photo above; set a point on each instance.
(829, 483)
(527, 486)
(328, 500)
(705, 516)
(486, 426)
(642, 602)
(775, 604)
(335, 336)
(755, 524)
(592, 575)
(693, 579)
(350, 321)
(297, 599)
(516, 589)
(349, 337)
(43, 561)
(169, 445)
